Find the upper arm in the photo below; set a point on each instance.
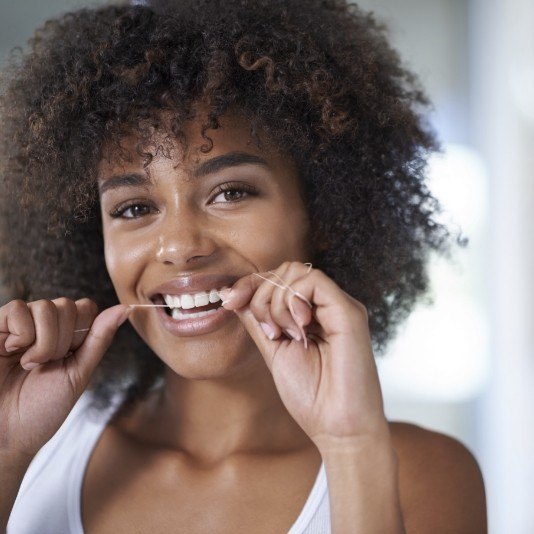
(441, 486)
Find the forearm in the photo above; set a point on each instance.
(363, 487)
(12, 470)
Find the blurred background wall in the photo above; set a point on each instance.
(464, 365)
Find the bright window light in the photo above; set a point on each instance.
(441, 352)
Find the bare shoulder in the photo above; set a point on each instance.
(441, 486)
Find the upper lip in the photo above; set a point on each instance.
(193, 284)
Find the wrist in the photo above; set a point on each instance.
(363, 484)
(377, 440)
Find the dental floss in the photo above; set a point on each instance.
(285, 286)
(294, 294)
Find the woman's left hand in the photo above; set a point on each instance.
(330, 387)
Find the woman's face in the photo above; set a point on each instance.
(192, 223)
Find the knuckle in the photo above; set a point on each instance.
(318, 273)
(87, 305)
(44, 306)
(99, 338)
(16, 309)
(16, 305)
(360, 310)
(258, 305)
(62, 301)
(66, 303)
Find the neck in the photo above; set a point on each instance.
(213, 419)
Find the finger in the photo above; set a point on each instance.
(240, 294)
(86, 311)
(260, 305)
(17, 330)
(334, 310)
(266, 346)
(45, 319)
(299, 309)
(83, 362)
(242, 291)
(66, 319)
(280, 310)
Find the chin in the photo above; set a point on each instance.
(209, 360)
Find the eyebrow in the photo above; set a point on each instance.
(123, 180)
(232, 159)
(211, 166)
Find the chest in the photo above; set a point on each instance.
(134, 490)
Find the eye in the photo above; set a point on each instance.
(132, 210)
(233, 192)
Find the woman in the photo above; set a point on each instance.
(246, 179)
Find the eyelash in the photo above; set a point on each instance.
(120, 210)
(249, 190)
(236, 187)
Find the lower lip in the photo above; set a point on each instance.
(196, 326)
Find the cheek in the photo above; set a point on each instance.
(270, 239)
(123, 261)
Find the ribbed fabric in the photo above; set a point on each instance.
(49, 498)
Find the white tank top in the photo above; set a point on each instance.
(49, 498)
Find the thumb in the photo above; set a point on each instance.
(266, 346)
(88, 355)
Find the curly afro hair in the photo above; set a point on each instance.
(318, 76)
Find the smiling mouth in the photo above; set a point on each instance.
(190, 306)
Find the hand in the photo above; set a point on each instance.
(48, 351)
(330, 388)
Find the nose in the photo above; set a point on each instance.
(184, 239)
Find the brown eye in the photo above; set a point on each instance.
(227, 193)
(233, 194)
(132, 211)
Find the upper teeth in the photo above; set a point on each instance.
(197, 300)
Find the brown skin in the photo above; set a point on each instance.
(234, 439)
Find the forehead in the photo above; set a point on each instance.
(190, 150)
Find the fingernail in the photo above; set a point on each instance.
(293, 334)
(267, 329)
(11, 349)
(124, 316)
(225, 295)
(29, 365)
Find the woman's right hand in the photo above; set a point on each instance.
(48, 351)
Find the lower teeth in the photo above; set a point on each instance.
(178, 315)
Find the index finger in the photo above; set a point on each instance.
(241, 292)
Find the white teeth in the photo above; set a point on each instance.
(197, 300)
(201, 299)
(178, 315)
(187, 302)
